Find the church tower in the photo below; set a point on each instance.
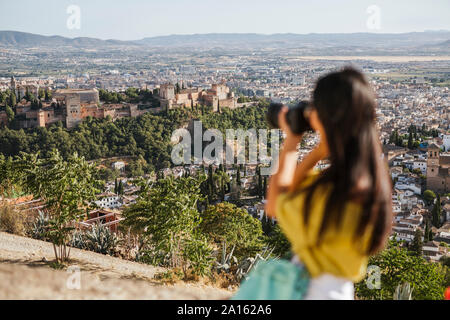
(433, 179)
(433, 160)
(13, 85)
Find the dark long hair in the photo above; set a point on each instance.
(345, 104)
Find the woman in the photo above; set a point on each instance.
(337, 218)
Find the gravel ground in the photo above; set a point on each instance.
(25, 274)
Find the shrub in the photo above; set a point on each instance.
(78, 240)
(397, 266)
(199, 255)
(235, 226)
(12, 220)
(40, 227)
(99, 239)
(166, 213)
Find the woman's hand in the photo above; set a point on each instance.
(291, 137)
(322, 149)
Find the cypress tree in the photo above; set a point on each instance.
(260, 186)
(416, 245)
(410, 141)
(120, 188)
(265, 187)
(437, 212)
(238, 176)
(427, 232)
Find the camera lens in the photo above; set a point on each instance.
(294, 117)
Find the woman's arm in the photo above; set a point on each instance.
(283, 178)
(308, 163)
(290, 174)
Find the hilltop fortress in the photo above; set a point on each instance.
(218, 96)
(72, 106)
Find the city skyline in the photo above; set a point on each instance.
(137, 19)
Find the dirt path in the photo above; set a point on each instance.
(25, 274)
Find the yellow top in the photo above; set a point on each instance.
(337, 254)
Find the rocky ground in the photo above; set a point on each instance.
(25, 274)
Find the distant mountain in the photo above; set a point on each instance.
(337, 43)
(24, 39)
(366, 40)
(445, 44)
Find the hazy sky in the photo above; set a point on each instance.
(135, 19)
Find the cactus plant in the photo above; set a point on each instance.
(99, 239)
(248, 264)
(227, 259)
(403, 292)
(40, 226)
(78, 240)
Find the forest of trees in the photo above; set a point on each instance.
(146, 137)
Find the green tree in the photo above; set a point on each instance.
(221, 180)
(436, 212)
(429, 196)
(227, 223)
(397, 267)
(41, 93)
(416, 244)
(48, 95)
(9, 114)
(12, 99)
(120, 188)
(8, 176)
(428, 235)
(410, 141)
(278, 241)
(238, 176)
(67, 187)
(265, 186)
(259, 182)
(166, 212)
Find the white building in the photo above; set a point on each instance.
(420, 164)
(446, 142)
(431, 250)
(404, 185)
(118, 165)
(109, 200)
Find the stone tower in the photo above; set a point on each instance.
(167, 91)
(13, 85)
(73, 110)
(433, 166)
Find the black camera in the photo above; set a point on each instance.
(295, 117)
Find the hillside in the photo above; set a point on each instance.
(24, 39)
(370, 40)
(25, 274)
(431, 42)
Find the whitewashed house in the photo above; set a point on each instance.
(420, 164)
(108, 200)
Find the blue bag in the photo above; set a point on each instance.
(274, 280)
